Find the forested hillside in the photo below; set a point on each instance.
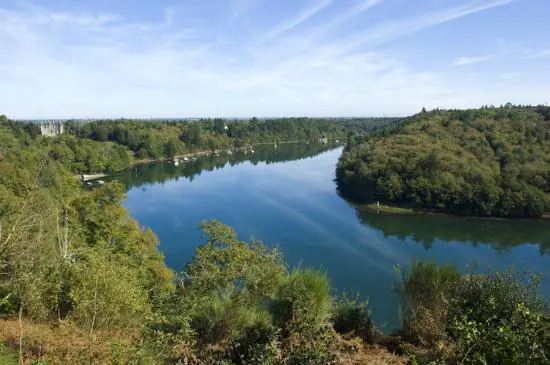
(486, 162)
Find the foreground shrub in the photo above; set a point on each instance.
(350, 315)
(222, 316)
(495, 318)
(425, 294)
(303, 301)
(313, 348)
(500, 318)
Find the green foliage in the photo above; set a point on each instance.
(66, 254)
(316, 348)
(424, 292)
(162, 138)
(487, 162)
(222, 316)
(498, 317)
(224, 262)
(351, 315)
(92, 285)
(303, 301)
(244, 307)
(7, 356)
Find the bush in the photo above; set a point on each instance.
(425, 292)
(303, 301)
(222, 316)
(314, 348)
(495, 318)
(353, 316)
(258, 344)
(500, 318)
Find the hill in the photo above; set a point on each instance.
(484, 162)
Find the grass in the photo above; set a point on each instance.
(387, 209)
(7, 356)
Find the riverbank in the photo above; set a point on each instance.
(386, 209)
(400, 210)
(248, 147)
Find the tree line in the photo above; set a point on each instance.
(156, 139)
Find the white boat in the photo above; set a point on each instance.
(185, 159)
(251, 151)
(100, 182)
(176, 163)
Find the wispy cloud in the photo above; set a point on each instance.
(466, 60)
(297, 20)
(340, 19)
(328, 58)
(379, 34)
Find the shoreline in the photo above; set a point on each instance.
(209, 152)
(401, 210)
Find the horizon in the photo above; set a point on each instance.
(205, 118)
(321, 58)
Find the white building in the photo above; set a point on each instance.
(51, 128)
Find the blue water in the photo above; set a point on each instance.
(291, 201)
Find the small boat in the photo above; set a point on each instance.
(176, 163)
(252, 151)
(185, 159)
(89, 183)
(229, 152)
(100, 182)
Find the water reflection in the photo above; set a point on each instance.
(500, 234)
(161, 172)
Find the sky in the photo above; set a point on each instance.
(269, 58)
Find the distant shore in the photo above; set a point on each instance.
(135, 162)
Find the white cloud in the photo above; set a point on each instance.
(465, 61)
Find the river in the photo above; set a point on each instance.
(287, 196)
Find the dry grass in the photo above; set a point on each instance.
(354, 352)
(63, 343)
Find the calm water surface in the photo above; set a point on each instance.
(287, 196)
